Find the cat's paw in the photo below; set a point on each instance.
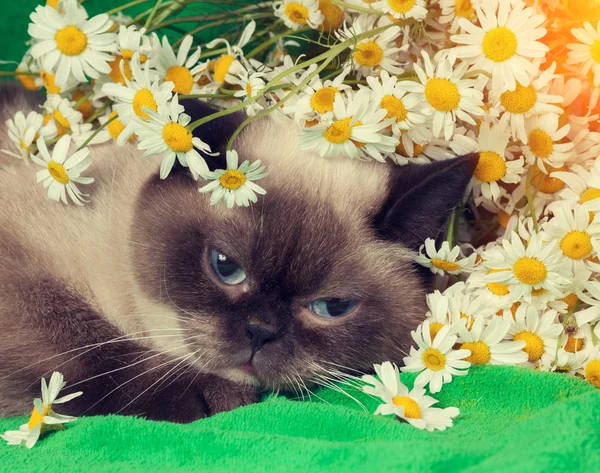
(223, 395)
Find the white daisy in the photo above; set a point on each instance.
(466, 306)
(523, 102)
(167, 135)
(577, 237)
(504, 44)
(544, 146)
(182, 70)
(70, 44)
(43, 418)
(540, 334)
(317, 98)
(372, 54)
(583, 186)
(523, 269)
(412, 406)
(62, 173)
(485, 341)
(61, 114)
(404, 108)
(235, 185)
(447, 95)
(402, 9)
(143, 90)
(444, 260)
(298, 13)
(592, 369)
(454, 10)
(418, 146)
(354, 131)
(435, 360)
(130, 40)
(250, 83)
(28, 64)
(590, 294)
(570, 363)
(587, 53)
(496, 163)
(220, 67)
(23, 131)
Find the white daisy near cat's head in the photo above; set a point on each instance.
(485, 341)
(402, 107)
(544, 144)
(180, 69)
(166, 134)
(62, 172)
(298, 13)
(144, 90)
(540, 334)
(505, 43)
(234, 185)
(402, 9)
(23, 131)
(220, 66)
(578, 238)
(251, 84)
(537, 266)
(435, 360)
(446, 95)
(355, 130)
(411, 406)
(61, 114)
(43, 418)
(444, 260)
(587, 52)
(71, 45)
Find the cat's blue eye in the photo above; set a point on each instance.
(331, 308)
(227, 270)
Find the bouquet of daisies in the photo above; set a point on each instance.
(406, 81)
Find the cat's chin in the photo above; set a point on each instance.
(244, 373)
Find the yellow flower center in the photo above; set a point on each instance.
(128, 55)
(590, 194)
(540, 143)
(520, 100)
(549, 184)
(463, 8)
(339, 131)
(297, 13)
(595, 51)
(469, 320)
(222, 66)
(85, 108)
(418, 149)
(480, 352)
(576, 245)
(411, 408)
(434, 359)
(592, 373)
(143, 98)
(52, 3)
(115, 70)
(534, 345)
(70, 40)
(368, 53)
(249, 89)
(61, 120)
(49, 84)
(499, 44)
(434, 328)
(182, 78)
(115, 127)
(395, 108)
(497, 288)
(177, 137)
(503, 219)
(322, 100)
(442, 94)
(491, 167)
(334, 15)
(26, 81)
(401, 6)
(232, 179)
(37, 418)
(573, 344)
(570, 300)
(445, 265)
(57, 171)
(530, 271)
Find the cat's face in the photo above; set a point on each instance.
(290, 287)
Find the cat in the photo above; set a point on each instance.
(155, 303)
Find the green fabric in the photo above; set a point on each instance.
(512, 420)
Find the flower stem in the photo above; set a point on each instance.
(98, 112)
(530, 206)
(93, 135)
(18, 73)
(450, 234)
(124, 7)
(83, 99)
(261, 47)
(152, 13)
(350, 6)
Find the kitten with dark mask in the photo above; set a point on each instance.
(154, 303)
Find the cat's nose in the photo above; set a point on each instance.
(259, 335)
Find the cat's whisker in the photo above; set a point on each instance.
(346, 368)
(336, 388)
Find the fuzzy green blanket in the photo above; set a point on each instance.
(512, 420)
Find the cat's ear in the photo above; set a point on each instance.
(421, 197)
